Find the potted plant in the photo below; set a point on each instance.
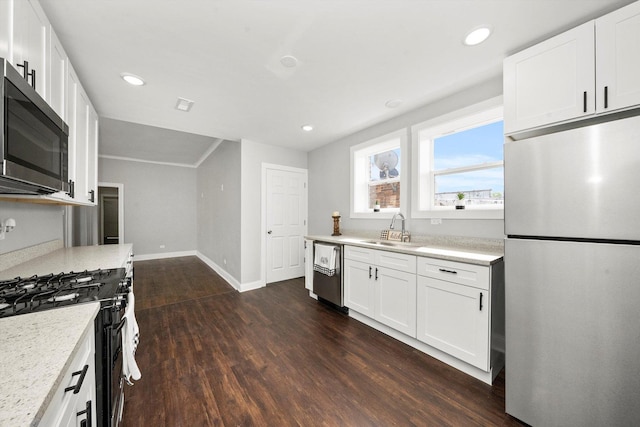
(460, 202)
(376, 207)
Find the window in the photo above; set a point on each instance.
(460, 154)
(377, 176)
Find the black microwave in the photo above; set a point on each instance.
(35, 140)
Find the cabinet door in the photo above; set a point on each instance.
(57, 74)
(92, 155)
(29, 41)
(5, 28)
(308, 264)
(81, 146)
(618, 58)
(395, 303)
(550, 82)
(72, 90)
(455, 319)
(359, 294)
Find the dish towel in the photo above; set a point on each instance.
(130, 339)
(325, 260)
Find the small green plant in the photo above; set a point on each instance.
(460, 196)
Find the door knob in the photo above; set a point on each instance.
(269, 232)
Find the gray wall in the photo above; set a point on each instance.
(329, 174)
(218, 199)
(253, 156)
(35, 224)
(159, 204)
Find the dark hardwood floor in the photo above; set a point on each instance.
(211, 356)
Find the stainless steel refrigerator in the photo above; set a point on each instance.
(572, 265)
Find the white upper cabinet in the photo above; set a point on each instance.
(5, 28)
(57, 75)
(591, 69)
(550, 82)
(28, 51)
(618, 58)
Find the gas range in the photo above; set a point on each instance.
(37, 293)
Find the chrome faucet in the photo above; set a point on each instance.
(405, 234)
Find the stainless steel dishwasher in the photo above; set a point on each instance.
(328, 285)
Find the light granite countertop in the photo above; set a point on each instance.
(469, 250)
(78, 258)
(37, 349)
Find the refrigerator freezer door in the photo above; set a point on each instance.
(581, 183)
(572, 333)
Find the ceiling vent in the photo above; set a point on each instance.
(184, 104)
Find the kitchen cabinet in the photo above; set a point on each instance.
(5, 28)
(590, 69)
(83, 141)
(381, 285)
(308, 264)
(74, 400)
(28, 50)
(618, 58)
(453, 309)
(57, 76)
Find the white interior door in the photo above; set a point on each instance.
(286, 223)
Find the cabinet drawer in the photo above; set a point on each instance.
(396, 261)
(456, 272)
(63, 403)
(359, 254)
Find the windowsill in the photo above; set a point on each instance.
(452, 213)
(383, 214)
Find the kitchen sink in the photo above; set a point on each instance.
(385, 243)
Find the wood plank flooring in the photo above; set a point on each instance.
(211, 356)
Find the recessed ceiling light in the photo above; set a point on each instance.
(307, 128)
(289, 61)
(477, 36)
(393, 103)
(184, 104)
(132, 79)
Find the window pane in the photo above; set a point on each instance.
(470, 147)
(385, 165)
(388, 195)
(481, 187)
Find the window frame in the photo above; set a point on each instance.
(423, 175)
(367, 149)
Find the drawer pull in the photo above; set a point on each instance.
(76, 388)
(369, 272)
(87, 421)
(444, 270)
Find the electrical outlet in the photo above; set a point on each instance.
(436, 221)
(221, 187)
(161, 246)
(224, 261)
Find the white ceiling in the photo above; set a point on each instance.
(354, 55)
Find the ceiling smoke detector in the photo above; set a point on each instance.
(289, 61)
(184, 104)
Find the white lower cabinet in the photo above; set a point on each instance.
(74, 402)
(395, 300)
(359, 294)
(385, 294)
(453, 311)
(455, 319)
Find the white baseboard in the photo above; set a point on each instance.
(252, 285)
(162, 255)
(221, 271)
